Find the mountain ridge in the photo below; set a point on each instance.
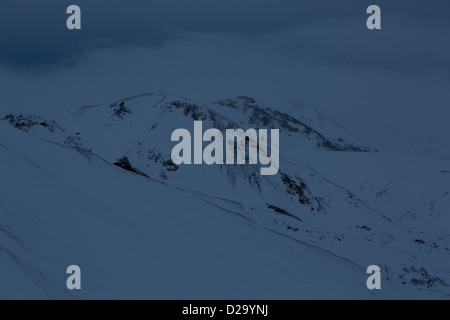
(323, 195)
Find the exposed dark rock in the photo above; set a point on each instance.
(125, 164)
(283, 212)
(420, 278)
(189, 109)
(170, 166)
(296, 189)
(26, 123)
(121, 111)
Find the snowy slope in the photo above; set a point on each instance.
(320, 121)
(132, 242)
(334, 202)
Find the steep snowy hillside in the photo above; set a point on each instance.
(62, 206)
(332, 198)
(321, 122)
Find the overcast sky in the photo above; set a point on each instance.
(319, 53)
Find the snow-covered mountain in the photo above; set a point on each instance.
(97, 188)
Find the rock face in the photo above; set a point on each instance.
(332, 193)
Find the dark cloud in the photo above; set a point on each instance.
(33, 33)
(401, 47)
